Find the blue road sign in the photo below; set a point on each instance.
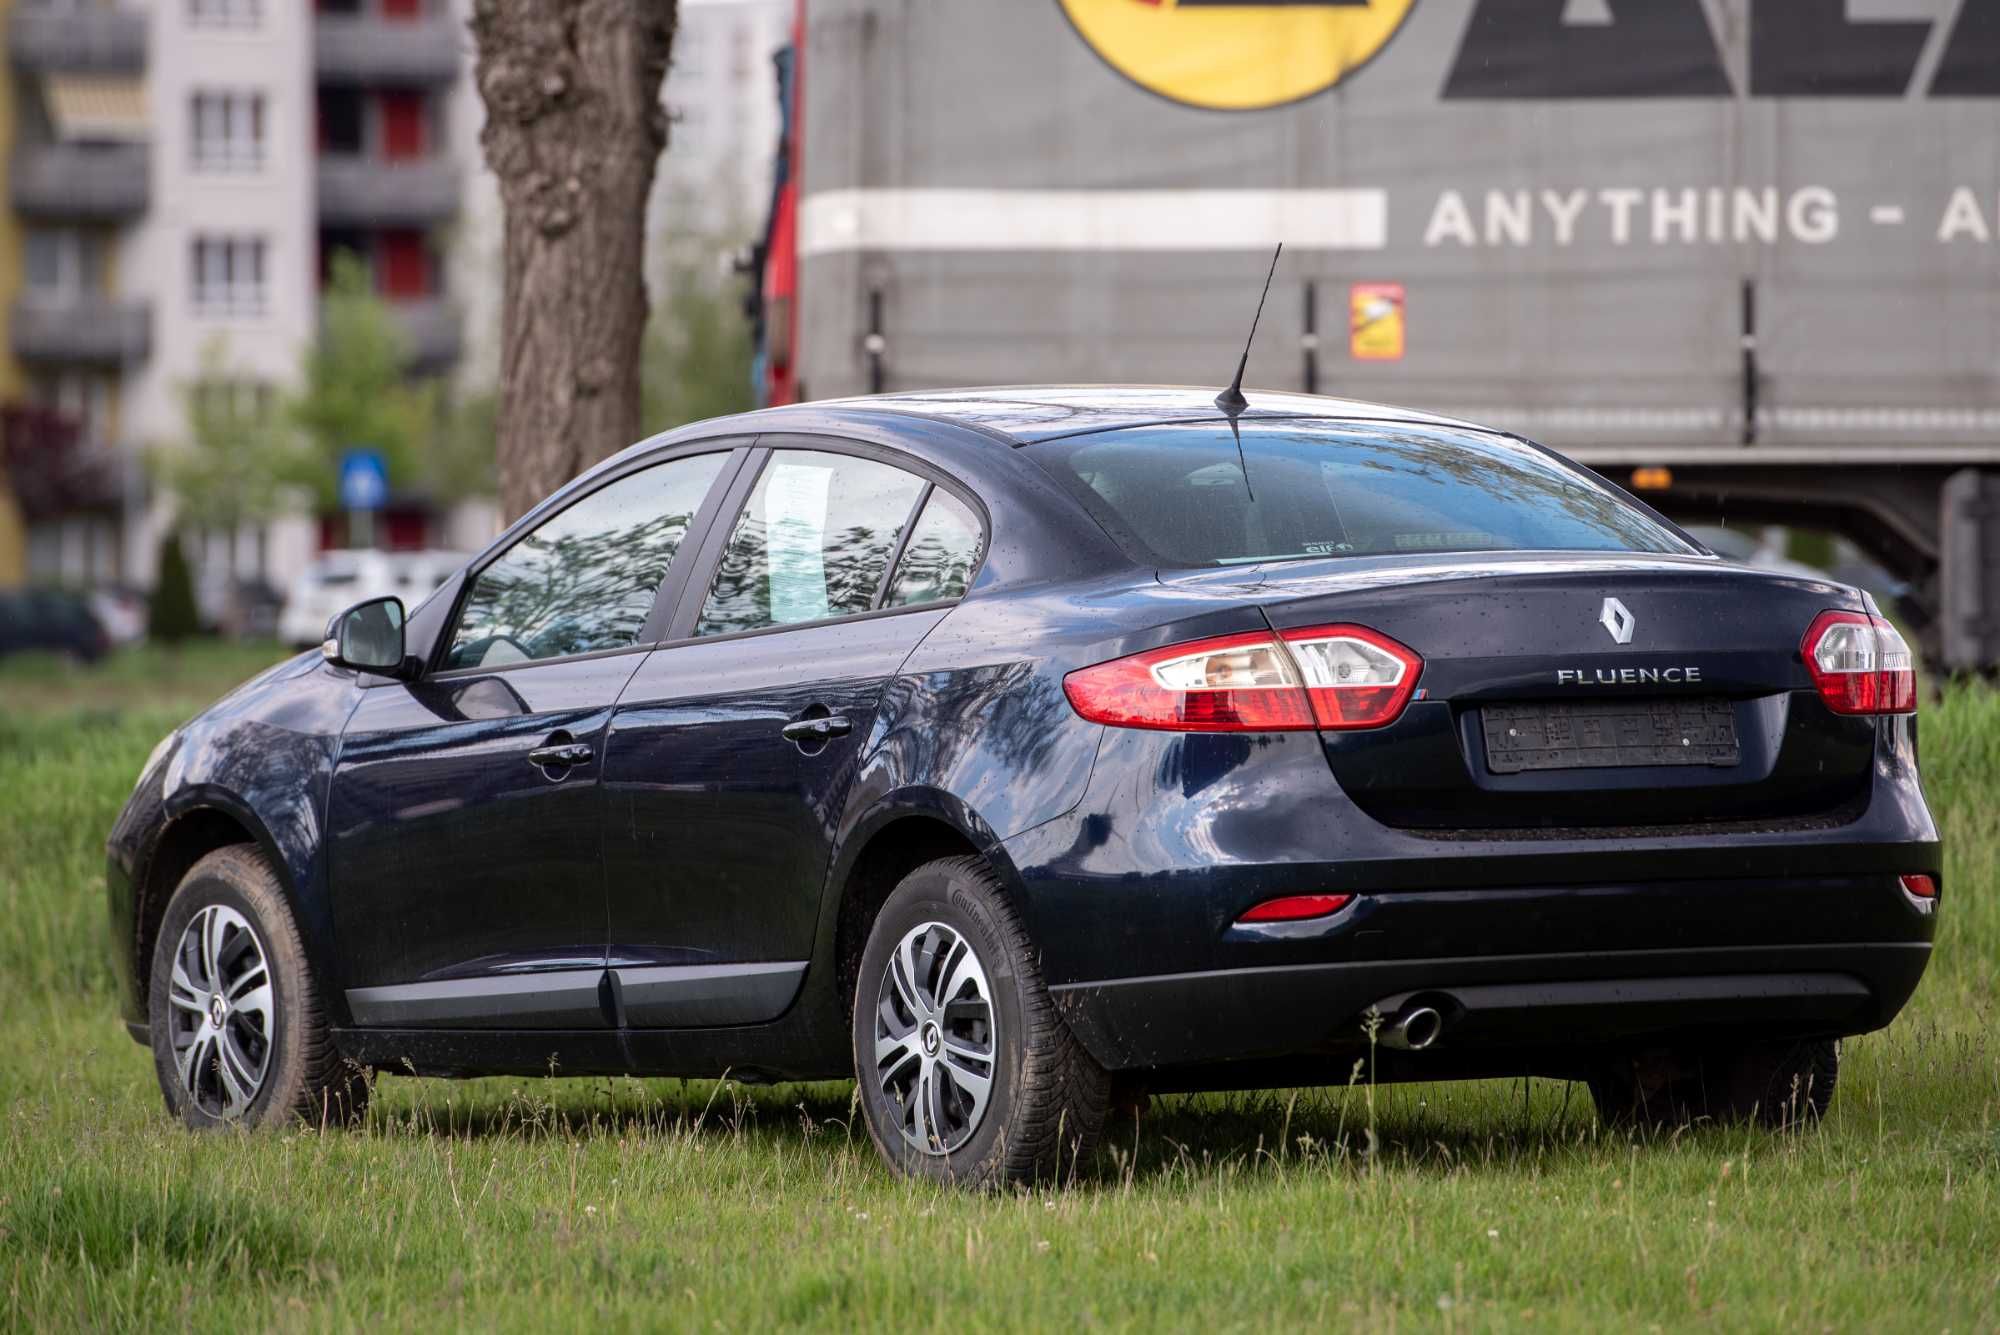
(364, 480)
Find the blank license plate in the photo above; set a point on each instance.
(1605, 734)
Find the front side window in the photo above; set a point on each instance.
(1187, 494)
(813, 542)
(938, 560)
(584, 580)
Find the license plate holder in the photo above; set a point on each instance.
(1609, 734)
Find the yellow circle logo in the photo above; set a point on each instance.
(1236, 55)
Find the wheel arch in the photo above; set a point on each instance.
(892, 843)
(191, 834)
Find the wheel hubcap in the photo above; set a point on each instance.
(936, 1038)
(221, 1016)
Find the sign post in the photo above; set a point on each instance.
(364, 487)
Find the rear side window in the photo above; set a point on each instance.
(938, 560)
(584, 580)
(1182, 495)
(813, 542)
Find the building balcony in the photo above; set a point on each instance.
(96, 331)
(91, 182)
(368, 49)
(357, 191)
(432, 326)
(77, 39)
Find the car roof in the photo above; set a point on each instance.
(1029, 414)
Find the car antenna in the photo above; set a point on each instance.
(1231, 400)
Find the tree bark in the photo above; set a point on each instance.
(574, 129)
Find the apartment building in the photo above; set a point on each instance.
(179, 175)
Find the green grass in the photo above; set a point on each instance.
(617, 1204)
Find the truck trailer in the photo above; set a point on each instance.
(1741, 256)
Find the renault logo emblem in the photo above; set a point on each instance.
(1617, 620)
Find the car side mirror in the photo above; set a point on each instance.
(368, 637)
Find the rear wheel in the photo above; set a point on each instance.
(966, 1073)
(1777, 1083)
(238, 1034)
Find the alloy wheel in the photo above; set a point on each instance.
(222, 1015)
(936, 1038)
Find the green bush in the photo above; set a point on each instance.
(174, 616)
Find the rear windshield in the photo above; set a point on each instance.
(1181, 494)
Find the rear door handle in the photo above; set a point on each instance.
(817, 729)
(560, 756)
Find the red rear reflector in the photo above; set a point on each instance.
(1336, 677)
(1292, 908)
(1860, 664)
(1920, 887)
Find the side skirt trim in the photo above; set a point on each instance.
(696, 996)
(557, 999)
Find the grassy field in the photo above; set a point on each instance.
(618, 1204)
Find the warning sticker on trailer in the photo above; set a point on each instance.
(1375, 322)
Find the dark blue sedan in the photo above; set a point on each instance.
(1007, 749)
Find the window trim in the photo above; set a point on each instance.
(687, 611)
(734, 449)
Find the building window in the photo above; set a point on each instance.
(228, 132)
(229, 275)
(82, 398)
(238, 14)
(62, 264)
(343, 121)
(231, 399)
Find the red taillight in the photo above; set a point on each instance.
(1860, 664)
(1356, 677)
(1322, 676)
(1919, 887)
(1293, 908)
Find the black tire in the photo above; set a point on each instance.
(1775, 1083)
(1047, 1100)
(286, 1043)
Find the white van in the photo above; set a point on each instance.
(340, 579)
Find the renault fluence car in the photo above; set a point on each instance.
(996, 747)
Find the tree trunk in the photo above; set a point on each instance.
(574, 128)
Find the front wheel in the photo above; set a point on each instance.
(238, 1035)
(966, 1073)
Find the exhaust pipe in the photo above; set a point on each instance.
(1414, 1029)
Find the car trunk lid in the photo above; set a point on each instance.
(1582, 690)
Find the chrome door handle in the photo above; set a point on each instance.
(560, 756)
(817, 729)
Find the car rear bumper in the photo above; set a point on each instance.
(1502, 1012)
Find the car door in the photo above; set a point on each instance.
(465, 822)
(732, 750)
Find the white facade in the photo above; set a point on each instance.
(712, 186)
(238, 200)
(722, 92)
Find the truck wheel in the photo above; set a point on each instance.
(238, 1034)
(1777, 1083)
(966, 1073)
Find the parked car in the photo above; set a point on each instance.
(337, 579)
(50, 621)
(1000, 748)
(121, 610)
